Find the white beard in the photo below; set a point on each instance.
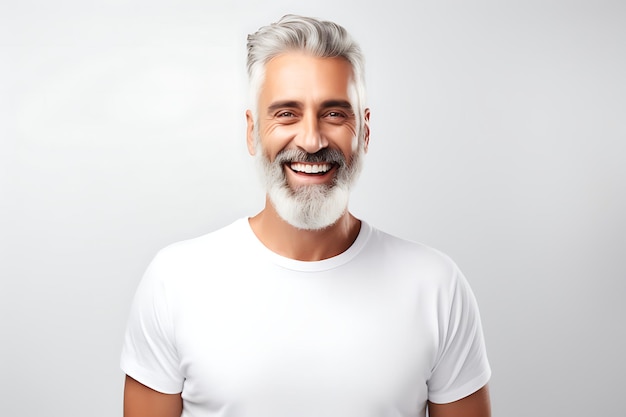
(309, 207)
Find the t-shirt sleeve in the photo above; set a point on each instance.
(461, 367)
(149, 352)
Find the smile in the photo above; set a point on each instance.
(320, 168)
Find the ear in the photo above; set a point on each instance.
(250, 140)
(366, 126)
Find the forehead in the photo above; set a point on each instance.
(300, 76)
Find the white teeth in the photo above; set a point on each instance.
(311, 168)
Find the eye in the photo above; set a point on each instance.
(285, 114)
(335, 115)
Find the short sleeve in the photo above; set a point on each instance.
(461, 367)
(149, 352)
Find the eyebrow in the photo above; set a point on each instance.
(289, 104)
(342, 104)
(293, 104)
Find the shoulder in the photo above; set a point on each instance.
(189, 256)
(424, 261)
(222, 238)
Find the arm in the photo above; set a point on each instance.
(474, 405)
(141, 401)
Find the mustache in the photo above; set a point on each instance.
(325, 155)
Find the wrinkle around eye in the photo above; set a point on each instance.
(285, 117)
(338, 118)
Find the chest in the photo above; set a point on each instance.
(286, 344)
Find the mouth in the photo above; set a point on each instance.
(310, 168)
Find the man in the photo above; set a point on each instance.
(303, 309)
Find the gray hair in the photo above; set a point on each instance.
(317, 37)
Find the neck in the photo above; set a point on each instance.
(304, 245)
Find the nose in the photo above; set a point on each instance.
(310, 138)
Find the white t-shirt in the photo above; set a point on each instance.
(243, 332)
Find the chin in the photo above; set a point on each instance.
(311, 207)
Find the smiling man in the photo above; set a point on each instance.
(306, 141)
(303, 309)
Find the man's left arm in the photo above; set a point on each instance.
(477, 404)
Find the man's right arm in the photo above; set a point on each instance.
(142, 401)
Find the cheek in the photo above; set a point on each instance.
(344, 138)
(274, 139)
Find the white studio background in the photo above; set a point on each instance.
(498, 136)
